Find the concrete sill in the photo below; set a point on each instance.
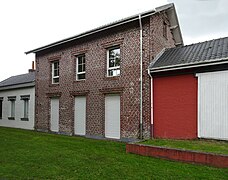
(24, 119)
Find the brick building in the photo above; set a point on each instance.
(90, 84)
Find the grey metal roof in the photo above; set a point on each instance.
(199, 54)
(170, 8)
(18, 80)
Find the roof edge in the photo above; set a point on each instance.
(189, 65)
(18, 86)
(105, 27)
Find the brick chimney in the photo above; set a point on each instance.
(33, 67)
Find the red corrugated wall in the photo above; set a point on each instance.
(175, 107)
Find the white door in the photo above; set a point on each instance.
(80, 115)
(54, 124)
(213, 105)
(112, 116)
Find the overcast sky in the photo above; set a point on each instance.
(29, 24)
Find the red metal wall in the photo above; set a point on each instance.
(175, 107)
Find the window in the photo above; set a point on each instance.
(1, 99)
(113, 62)
(80, 67)
(164, 29)
(26, 107)
(55, 72)
(12, 100)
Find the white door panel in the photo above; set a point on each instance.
(54, 115)
(112, 116)
(80, 115)
(213, 105)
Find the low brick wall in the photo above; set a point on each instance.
(179, 155)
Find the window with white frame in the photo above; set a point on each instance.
(55, 72)
(80, 67)
(25, 98)
(12, 100)
(113, 62)
(1, 100)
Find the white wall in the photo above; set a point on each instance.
(19, 108)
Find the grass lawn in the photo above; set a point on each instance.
(32, 155)
(211, 146)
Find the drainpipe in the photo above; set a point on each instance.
(151, 106)
(141, 82)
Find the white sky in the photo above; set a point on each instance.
(29, 24)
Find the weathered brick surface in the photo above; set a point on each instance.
(97, 84)
(210, 159)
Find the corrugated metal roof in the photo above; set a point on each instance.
(19, 79)
(200, 53)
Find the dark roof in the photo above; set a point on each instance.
(171, 15)
(19, 79)
(199, 54)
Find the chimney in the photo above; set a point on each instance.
(33, 67)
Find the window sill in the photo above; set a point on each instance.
(112, 77)
(24, 119)
(11, 118)
(80, 80)
(53, 85)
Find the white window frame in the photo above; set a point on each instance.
(26, 108)
(83, 72)
(112, 68)
(25, 98)
(53, 76)
(12, 108)
(12, 100)
(1, 102)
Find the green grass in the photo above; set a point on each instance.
(32, 155)
(210, 146)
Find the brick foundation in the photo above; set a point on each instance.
(179, 155)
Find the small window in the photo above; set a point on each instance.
(55, 72)
(1, 100)
(26, 107)
(12, 100)
(165, 29)
(113, 62)
(81, 68)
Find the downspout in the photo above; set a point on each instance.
(151, 106)
(141, 82)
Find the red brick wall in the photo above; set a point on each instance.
(97, 84)
(210, 159)
(175, 107)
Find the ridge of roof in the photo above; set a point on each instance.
(108, 26)
(201, 42)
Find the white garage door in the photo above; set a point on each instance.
(112, 116)
(213, 105)
(54, 115)
(80, 115)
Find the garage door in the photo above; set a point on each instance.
(213, 105)
(80, 115)
(54, 124)
(112, 116)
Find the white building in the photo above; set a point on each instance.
(17, 101)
